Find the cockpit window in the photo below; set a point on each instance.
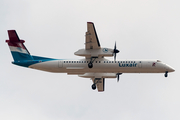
(158, 61)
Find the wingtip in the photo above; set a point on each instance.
(90, 22)
(100, 90)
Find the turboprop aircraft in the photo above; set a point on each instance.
(93, 65)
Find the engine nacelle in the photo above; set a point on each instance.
(107, 52)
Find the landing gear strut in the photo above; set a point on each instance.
(96, 80)
(90, 64)
(166, 74)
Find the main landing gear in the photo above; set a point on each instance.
(166, 74)
(96, 80)
(90, 64)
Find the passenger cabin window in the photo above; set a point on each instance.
(74, 61)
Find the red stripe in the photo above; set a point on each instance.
(90, 22)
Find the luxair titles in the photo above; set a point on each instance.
(127, 64)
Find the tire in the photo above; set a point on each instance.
(93, 86)
(166, 75)
(90, 65)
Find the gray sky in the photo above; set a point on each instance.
(142, 29)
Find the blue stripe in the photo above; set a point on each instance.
(42, 58)
(25, 60)
(27, 63)
(17, 56)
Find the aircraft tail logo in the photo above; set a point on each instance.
(154, 64)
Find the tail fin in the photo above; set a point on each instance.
(18, 50)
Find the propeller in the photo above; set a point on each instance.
(115, 51)
(118, 76)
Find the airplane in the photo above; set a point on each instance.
(93, 65)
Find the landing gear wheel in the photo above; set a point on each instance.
(166, 74)
(93, 86)
(90, 65)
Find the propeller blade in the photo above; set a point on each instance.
(115, 51)
(118, 76)
(115, 46)
(115, 56)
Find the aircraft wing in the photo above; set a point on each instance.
(98, 79)
(99, 84)
(92, 41)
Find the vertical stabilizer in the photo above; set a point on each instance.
(17, 48)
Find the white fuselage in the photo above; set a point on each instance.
(103, 65)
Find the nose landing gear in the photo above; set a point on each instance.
(166, 74)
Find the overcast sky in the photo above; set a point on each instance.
(142, 29)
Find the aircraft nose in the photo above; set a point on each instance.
(170, 69)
